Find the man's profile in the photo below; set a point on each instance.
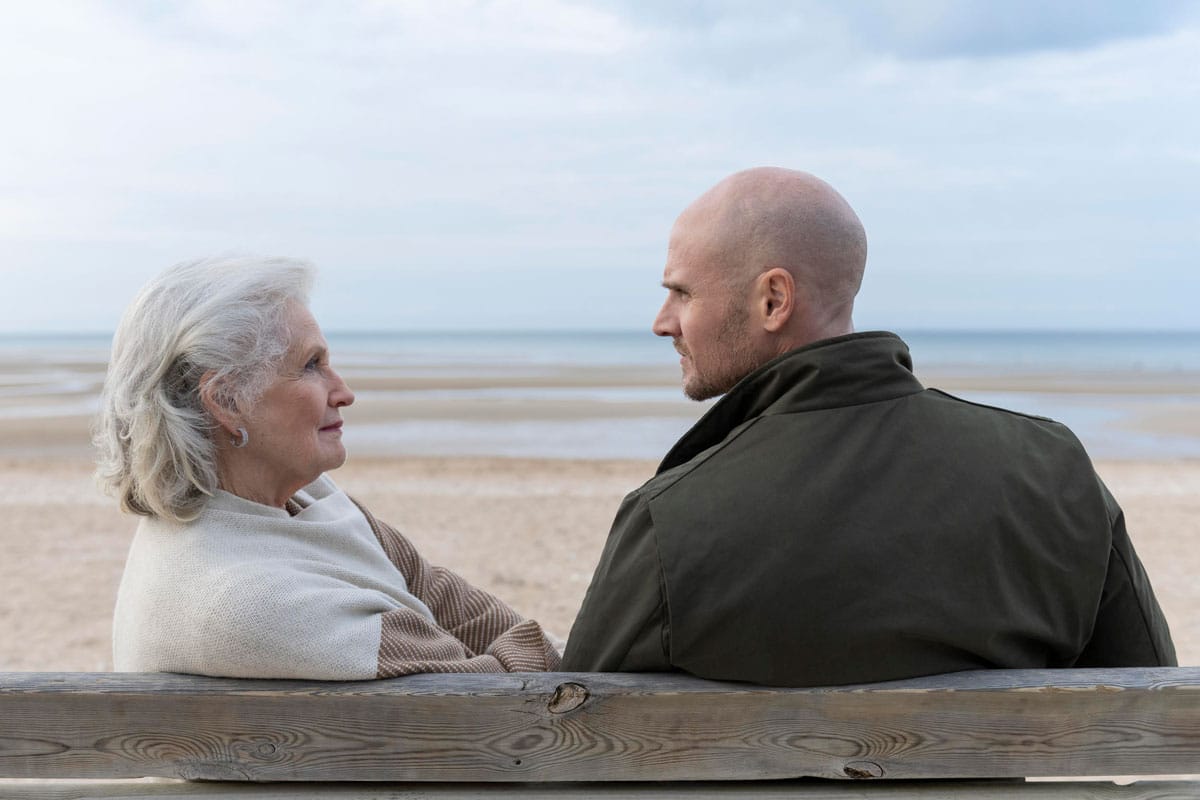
(831, 520)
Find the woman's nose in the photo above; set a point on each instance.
(340, 395)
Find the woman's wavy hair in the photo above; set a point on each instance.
(222, 317)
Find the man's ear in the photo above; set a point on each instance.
(221, 409)
(777, 298)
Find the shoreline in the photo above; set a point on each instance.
(530, 410)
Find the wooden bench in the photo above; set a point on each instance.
(549, 734)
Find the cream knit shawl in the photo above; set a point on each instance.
(247, 590)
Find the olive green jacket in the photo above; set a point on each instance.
(830, 520)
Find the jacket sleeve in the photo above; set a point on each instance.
(623, 624)
(472, 631)
(1130, 629)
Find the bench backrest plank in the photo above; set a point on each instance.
(692, 790)
(599, 727)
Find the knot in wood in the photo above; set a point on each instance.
(567, 697)
(861, 770)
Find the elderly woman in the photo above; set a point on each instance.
(220, 416)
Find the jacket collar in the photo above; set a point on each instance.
(846, 370)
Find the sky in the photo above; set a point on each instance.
(456, 165)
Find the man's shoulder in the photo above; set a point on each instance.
(933, 420)
(681, 474)
(1032, 424)
(937, 394)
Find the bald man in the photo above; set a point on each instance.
(830, 520)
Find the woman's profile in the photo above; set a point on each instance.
(220, 417)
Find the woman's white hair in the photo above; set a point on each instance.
(221, 317)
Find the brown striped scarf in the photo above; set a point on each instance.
(472, 631)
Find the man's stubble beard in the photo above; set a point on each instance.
(736, 360)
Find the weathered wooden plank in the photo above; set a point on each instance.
(599, 727)
(693, 790)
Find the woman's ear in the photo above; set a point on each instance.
(777, 298)
(218, 406)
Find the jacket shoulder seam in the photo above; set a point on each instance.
(649, 493)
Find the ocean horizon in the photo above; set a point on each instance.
(1126, 394)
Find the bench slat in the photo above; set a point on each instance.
(599, 727)
(726, 790)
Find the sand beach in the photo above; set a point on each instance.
(526, 524)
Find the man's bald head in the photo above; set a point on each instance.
(768, 217)
(766, 261)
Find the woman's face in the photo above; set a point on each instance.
(295, 429)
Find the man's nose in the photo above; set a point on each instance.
(665, 324)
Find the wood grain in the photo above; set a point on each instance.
(693, 790)
(599, 727)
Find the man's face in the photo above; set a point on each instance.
(707, 315)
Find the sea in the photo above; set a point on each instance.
(1126, 394)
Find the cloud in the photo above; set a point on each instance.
(745, 41)
(412, 147)
(979, 28)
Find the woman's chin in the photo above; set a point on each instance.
(336, 459)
